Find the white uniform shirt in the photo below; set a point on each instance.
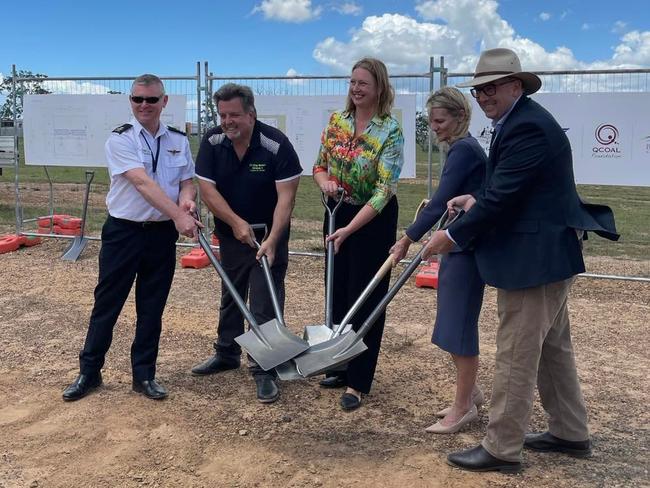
(129, 150)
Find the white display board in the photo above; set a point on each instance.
(609, 134)
(70, 130)
(303, 118)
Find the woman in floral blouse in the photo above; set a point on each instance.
(362, 152)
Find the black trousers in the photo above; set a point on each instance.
(358, 259)
(131, 252)
(246, 273)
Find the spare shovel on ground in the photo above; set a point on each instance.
(271, 343)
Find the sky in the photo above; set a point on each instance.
(316, 37)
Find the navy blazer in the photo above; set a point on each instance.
(464, 172)
(524, 221)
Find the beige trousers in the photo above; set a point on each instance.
(534, 345)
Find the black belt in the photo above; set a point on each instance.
(147, 224)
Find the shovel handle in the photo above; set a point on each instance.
(443, 223)
(205, 245)
(329, 273)
(379, 275)
(271, 286)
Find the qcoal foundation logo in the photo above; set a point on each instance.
(607, 145)
(646, 140)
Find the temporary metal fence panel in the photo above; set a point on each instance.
(27, 215)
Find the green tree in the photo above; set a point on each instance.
(32, 87)
(422, 130)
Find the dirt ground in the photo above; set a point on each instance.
(212, 432)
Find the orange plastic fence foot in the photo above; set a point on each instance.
(12, 242)
(196, 258)
(428, 276)
(9, 243)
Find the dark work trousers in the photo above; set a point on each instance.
(359, 258)
(246, 273)
(146, 254)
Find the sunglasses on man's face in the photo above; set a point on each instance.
(149, 100)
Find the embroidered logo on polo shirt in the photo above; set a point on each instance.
(257, 167)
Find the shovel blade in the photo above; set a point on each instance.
(287, 371)
(75, 249)
(315, 334)
(330, 355)
(280, 346)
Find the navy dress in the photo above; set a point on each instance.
(460, 287)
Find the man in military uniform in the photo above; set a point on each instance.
(248, 174)
(150, 201)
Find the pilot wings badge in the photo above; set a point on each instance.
(173, 151)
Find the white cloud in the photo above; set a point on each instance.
(348, 8)
(586, 26)
(634, 50)
(564, 14)
(401, 42)
(293, 72)
(619, 27)
(288, 10)
(71, 87)
(544, 16)
(459, 30)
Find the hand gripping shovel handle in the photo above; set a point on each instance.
(329, 280)
(205, 245)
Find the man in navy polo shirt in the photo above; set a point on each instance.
(248, 174)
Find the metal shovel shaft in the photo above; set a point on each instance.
(231, 288)
(329, 279)
(379, 275)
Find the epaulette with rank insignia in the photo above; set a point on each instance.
(122, 128)
(178, 131)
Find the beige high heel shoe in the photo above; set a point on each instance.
(438, 428)
(478, 400)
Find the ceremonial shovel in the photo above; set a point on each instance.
(342, 349)
(269, 344)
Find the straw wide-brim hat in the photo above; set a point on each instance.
(498, 63)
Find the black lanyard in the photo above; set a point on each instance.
(154, 160)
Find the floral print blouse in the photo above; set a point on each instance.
(367, 167)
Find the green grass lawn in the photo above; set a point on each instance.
(631, 205)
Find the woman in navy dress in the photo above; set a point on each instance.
(460, 288)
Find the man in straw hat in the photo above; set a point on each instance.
(526, 224)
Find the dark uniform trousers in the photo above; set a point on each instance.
(358, 259)
(246, 273)
(131, 251)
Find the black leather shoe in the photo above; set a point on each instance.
(84, 384)
(267, 389)
(350, 402)
(215, 364)
(332, 382)
(150, 388)
(478, 459)
(547, 442)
